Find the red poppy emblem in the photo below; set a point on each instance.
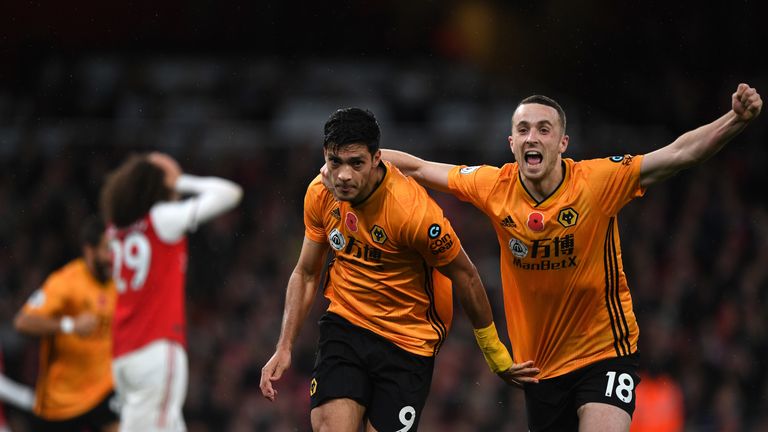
(351, 221)
(536, 221)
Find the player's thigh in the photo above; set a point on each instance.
(342, 415)
(105, 416)
(599, 417)
(39, 424)
(152, 384)
(155, 372)
(605, 399)
(554, 404)
(400, 387)
(340, 371)
(549, 404)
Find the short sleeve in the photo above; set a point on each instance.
(313, 221)
(615, 181)
(473, 184)
(49, 300)
(431, 234)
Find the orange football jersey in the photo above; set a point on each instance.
(566, 297)
(386, 248)
(75, 372)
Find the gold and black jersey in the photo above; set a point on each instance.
(75, 372)
(566, 297)
(386, 248)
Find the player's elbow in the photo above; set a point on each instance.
(237, 193)
(231, 194)
(20, 323)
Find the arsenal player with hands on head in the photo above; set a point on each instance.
(151, 206)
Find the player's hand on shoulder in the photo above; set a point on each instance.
(746, 102)
(325, 177)
(520, 373)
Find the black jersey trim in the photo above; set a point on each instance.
(619, 325)
(432, 316)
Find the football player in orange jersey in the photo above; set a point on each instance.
(389, 286)
(567, 301)
(72, 314)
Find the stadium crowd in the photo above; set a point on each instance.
(695, 250)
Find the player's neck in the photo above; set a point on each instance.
(541, 188)
(90, 264)
(378, 177)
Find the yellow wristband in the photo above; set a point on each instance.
(495, 353)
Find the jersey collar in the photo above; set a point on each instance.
(551, 197)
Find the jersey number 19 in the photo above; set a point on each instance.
(134, 254)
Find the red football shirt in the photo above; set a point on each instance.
(149, 275)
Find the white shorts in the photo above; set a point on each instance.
(152, 385)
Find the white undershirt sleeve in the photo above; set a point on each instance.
(211, 196)
(16, 394)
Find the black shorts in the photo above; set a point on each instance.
(101, 415)
(354, 363)
(552, 403)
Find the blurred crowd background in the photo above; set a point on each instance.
(242, 91)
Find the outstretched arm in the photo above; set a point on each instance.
(433, 175)
(696, 146)
(469, 288)
(302, 287)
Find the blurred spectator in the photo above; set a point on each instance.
(660, 406)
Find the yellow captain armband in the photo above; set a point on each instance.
(496, 354)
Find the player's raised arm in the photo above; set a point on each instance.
(208, 197)
(302, 286)
(696, 146)
(433, 175)
(471, 293)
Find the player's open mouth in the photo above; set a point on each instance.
(533, 157)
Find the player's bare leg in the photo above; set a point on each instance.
(599, 417)
(337, 415)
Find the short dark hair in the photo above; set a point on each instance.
(351, 126)
(132, 189)
(91, 231)
(544, 100)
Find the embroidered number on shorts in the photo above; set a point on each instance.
(623, 390)
(407, 417)
(134, 253)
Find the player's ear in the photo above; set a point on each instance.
(564, 143)
(376, 158)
